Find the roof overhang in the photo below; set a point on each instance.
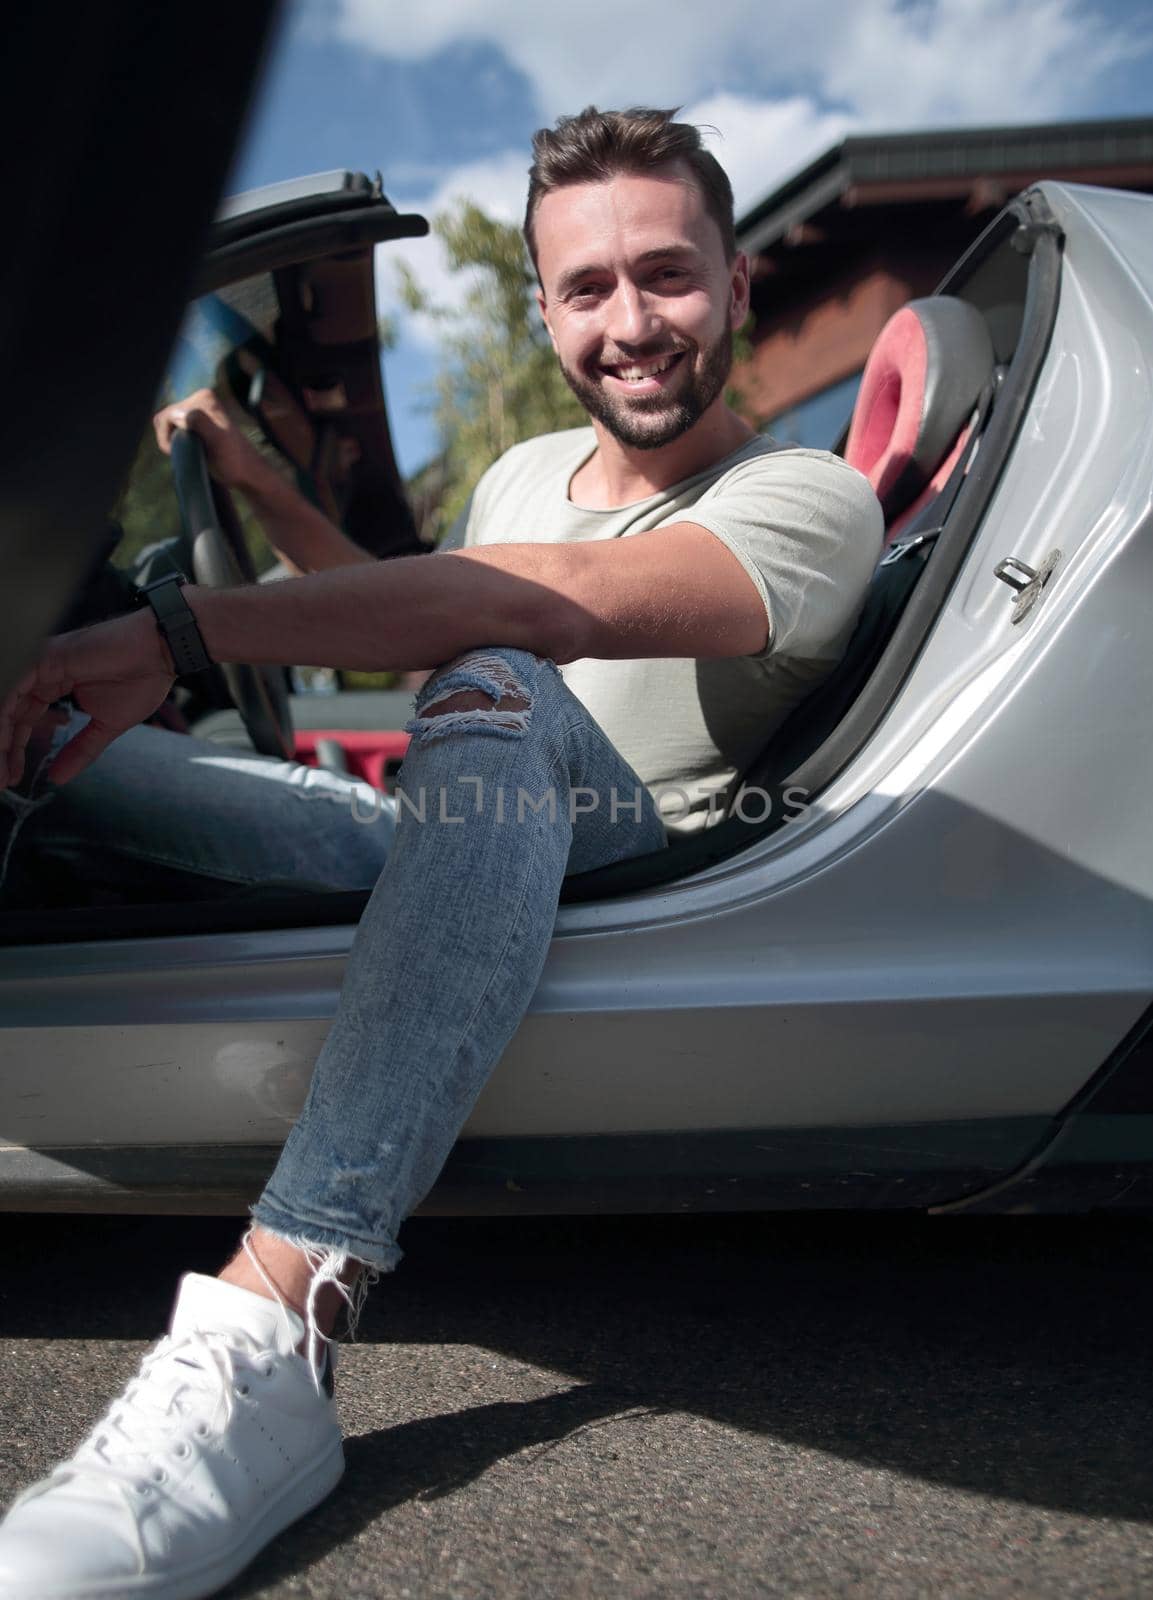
(979, 167)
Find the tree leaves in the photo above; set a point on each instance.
(499, 380)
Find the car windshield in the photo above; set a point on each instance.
(226, 343)
(217, 326)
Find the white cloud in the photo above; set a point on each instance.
(760, 142)
(612, 51)
(497, 185)
(994, 61)
(888, 62)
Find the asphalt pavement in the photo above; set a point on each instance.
(712, 1408)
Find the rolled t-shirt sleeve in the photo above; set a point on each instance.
(807, 528)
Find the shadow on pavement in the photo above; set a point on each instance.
(424, 1460)
(1007, 1356)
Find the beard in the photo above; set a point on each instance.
(652, 420)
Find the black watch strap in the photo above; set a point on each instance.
(175, 619)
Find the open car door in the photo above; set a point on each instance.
(103, 176)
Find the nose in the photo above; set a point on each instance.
(633, 317)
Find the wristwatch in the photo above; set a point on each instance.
(176, 621)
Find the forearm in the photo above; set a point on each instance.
(297, 530)
(410, 613)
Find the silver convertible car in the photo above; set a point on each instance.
(911, 966)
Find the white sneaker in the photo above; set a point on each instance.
(221, 1441)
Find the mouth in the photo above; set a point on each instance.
(643, 377)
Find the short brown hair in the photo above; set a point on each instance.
(595, 146)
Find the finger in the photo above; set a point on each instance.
(197, 418)
(38, 744)
(6, 741)
(174, 419)
(11, 765)
(182, 418)
(80, 752)
(20, 712)
(14, 733)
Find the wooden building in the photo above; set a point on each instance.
(876, 221)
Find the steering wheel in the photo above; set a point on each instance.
(220, 560)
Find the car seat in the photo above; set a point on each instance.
(914, 413)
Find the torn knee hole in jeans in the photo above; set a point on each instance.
(478, 694)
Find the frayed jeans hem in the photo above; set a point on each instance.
(305, 1234)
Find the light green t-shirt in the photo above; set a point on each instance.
(806, 527)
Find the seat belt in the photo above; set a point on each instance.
(942, 505)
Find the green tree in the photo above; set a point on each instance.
(499, 382)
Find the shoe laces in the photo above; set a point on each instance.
(185, 1387)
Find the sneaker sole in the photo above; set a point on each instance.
(295, 1500)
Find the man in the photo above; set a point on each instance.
(690, 580)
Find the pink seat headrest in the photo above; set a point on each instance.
(924, 375)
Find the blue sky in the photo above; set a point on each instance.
(442, 96)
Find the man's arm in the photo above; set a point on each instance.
(302, 536)
(673, 591)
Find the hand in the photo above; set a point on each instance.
(118, 672)
(233, 461)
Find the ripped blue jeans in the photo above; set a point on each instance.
(494, 806)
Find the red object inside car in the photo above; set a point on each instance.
(922, 382)
(368, 753)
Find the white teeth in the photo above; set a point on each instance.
(649, 370)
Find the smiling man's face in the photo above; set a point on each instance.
(639, 301)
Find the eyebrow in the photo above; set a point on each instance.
(664, 252)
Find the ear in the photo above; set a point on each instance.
(542, 307)
(739, 287)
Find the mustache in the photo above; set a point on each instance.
(623, 358)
